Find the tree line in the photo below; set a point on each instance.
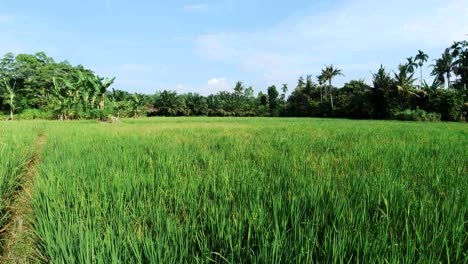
(35, 86)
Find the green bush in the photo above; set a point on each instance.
(97, 114)
(30, 114)
(449, 103)
(416, 115)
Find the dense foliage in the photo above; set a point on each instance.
(35, 86)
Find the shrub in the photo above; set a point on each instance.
(416, 115)
(97, 114)
(449, 103)
(30, 114)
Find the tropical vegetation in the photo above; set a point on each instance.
(35, 86)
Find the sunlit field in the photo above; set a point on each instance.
(242, 190)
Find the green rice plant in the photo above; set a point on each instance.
(16, 144)
(253, 190)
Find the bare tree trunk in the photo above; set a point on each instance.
(321, 94)
(331, 94)
(420, 67)
(448, 80)
(102, 102)
(11, 109)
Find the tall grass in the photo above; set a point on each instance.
(185, 190)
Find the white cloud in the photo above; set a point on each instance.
(212, 86)
(215, 85)
(355, 35)
(195, 7)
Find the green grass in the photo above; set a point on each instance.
(16, 143)
(252, 190)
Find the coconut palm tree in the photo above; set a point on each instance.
(382, 79)
(421, 58)
(444, 67)
(460, 56)
(328, 74)
(239, 88)
(404, 80)
(436, 84)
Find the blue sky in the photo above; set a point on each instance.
(206, 46)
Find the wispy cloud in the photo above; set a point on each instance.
(212, 86)
(359, 33)
(196, 7)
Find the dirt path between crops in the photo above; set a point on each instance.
(18, 247)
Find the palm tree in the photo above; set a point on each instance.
(460, 56)
(431, 87)
(404, 81)
(411, 65)
(421, 58)
(169, 103)
(444, 67)
(382, 79)
(10, 93)
(328, 74)
(284, 88)
(239, 88)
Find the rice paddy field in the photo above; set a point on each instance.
(239, 190)
(15, 151)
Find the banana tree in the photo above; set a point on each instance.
(10, 94)
(136, 103)
(59, 101)
(100, 87)
(118, 100)
(73, 95)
